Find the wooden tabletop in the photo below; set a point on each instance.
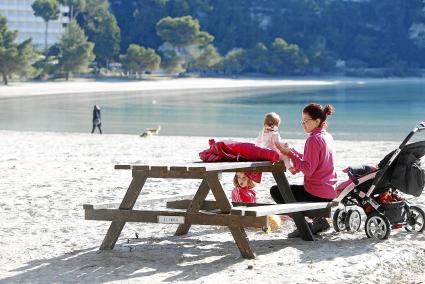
(261, 166)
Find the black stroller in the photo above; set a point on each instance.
(376, 191)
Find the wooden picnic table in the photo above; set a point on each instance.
(199, 211)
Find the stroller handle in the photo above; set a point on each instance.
(418, 128)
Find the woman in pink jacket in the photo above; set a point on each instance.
(317, 163)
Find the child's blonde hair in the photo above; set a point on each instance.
(251, 183)
(274, 117)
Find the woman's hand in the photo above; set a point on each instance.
(283, 148)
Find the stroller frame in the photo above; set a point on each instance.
(352, 196)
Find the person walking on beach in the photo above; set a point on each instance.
(97, 122)
(317, 164)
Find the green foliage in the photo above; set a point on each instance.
(286, 58)
(182, 31)
(14, 59)
(233, 63)
(139, 59)
(258, 59)
(207, 59)
(102, 29)
(374, 31)
(76, 53)
(46, 9)
(185, 43)
(172, 62)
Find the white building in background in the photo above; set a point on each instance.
(20, 17)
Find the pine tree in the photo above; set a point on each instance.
(76, 53)
(14, 58)
(48, 10)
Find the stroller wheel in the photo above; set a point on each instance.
(339, 220)
(377, 226)
(353, 220)
(415, 219)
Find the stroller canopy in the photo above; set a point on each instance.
(405, 173)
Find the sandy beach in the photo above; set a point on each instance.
(47, 177)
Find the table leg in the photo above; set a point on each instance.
(298, 217)
(238, 233)
(194, 206)
(128, 202)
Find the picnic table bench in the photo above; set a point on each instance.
(199, 211)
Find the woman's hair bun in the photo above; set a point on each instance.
(328, 110)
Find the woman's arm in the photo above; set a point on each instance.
(309, 162)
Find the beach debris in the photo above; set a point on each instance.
(137, 235)
(148, 132)
(250, 266)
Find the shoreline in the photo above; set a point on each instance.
(237, 138)
(24, 89)
(183, 84)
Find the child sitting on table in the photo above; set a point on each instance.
(269, 136)
(244, 191)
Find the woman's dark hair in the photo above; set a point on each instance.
(316, 111)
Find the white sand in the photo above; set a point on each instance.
(46, 177)
(99, 87)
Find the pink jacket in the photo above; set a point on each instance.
(317, 164)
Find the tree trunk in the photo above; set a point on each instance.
(71, 8)
(45, 40)
(5, 78)
(67, 76)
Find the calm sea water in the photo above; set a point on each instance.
(369, 110)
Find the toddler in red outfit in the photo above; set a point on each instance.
(244, 187)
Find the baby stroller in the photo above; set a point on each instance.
(377, 191)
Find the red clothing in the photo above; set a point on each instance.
(317, 164)
(232, 151)
(244, 194)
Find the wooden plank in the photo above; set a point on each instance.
(141, 167)
(179, 168)
(102, 206)
(122, 167)
(128, 202)
(265, 166)
(298, 218)
(208, 204)
(278, 208)
(144, 201)
(176, 174)
(194, 206)
(184, 204)
(242, 242)
(238, 232)
(193, 218)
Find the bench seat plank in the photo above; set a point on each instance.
(193, 218)
(279, 208)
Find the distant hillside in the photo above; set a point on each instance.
(374, 33)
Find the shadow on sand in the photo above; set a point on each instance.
(182, 258)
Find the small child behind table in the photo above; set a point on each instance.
(244, 183)
(244, 192)
(269, 136)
